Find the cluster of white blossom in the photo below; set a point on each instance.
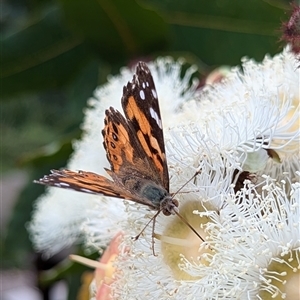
(242, 137)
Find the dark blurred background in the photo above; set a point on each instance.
(53, 56)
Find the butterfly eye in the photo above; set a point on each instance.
(113, 145)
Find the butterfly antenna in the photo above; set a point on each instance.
(198, 172)
(190, 226)
(180, 216)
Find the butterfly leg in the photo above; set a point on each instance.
(153, 227)
(153, 231)
(152, 219)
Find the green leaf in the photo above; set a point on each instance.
(83, 86)
(53, 154)
(222, 32)
(42, 55)
(117, 28)
(46, 54)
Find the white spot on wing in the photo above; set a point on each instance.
(142, 95)
(147, 83)
(87, 191)
(155, 117)
(143, 84)
(64, 184)
(154, 93)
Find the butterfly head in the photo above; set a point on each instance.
(169, 206)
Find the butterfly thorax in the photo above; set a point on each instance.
(160, 198)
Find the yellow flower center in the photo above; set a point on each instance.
(283, 277)
(178, 240)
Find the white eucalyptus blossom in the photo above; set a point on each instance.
(256, 241)
(242, 118)
(252, 109)
(252, 250)
(246, 125)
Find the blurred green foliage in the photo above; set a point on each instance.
(55, 53)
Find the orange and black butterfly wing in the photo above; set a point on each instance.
(141, 108)
(124, 151)
(134, 147)
(88, 182)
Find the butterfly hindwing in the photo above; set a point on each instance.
(141, 108)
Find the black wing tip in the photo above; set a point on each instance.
(111, 111)
(47, 179)
(44, 181)
(142, 67)
(39, 181)
(142, 71)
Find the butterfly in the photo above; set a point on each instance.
(135, 149)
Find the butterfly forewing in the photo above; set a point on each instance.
(141, 108)
(134, 147)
